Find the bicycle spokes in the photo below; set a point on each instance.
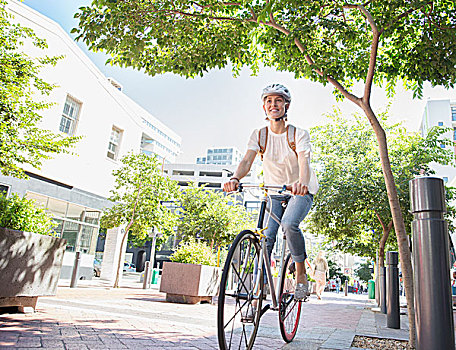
(239, 307)
(289, 307)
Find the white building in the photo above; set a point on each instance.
(221, 155)
(211, 175)
(74, 187)
(441, 113)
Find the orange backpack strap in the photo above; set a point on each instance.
(262, 140)
(291, 137)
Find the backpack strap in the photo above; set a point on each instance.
(291, 137)
(262, 140)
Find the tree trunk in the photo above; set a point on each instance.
(398, 220)
(382, 243)
(381, 255)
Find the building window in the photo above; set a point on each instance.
(183, 173)
(4, 189)
(454, 134)
(440, 123)
(114, 143)
(453, 113)
(70, 116)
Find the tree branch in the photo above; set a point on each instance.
(311, 63)
(405, 14)
(217, 18)
(380, 220)
(374, 50)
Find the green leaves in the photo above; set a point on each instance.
(352, 198)
(21, 141)
(194, 252)
(210, 215)
(364, 272)
(22, 214)
(138, 194)
(416, 43)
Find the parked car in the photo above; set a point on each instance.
(96, 268)
(129, 267)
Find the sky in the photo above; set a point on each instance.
(219, 110)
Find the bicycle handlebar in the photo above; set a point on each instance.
(280, 189)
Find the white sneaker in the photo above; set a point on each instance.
(301, 291)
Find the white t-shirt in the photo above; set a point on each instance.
(280, 164)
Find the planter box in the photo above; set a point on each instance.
(29, 267)
(189, 283)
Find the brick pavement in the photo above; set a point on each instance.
(94, 316)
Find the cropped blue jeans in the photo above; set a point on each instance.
(291, 216)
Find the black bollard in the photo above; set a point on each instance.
(393, 319)
(382, 289)
(75, 274)
(434, 312)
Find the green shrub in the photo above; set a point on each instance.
(192, 252)
(22, 214)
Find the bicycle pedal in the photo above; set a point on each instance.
(248, 316)
(264, 309)
(246, 320)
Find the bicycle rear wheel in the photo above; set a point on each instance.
(289, 308)
(239, 309)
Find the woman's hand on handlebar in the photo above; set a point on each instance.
(231, 185)
(299, 189)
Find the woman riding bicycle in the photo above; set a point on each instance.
(284, 162)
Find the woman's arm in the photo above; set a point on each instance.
(241, 171)
(301, 187)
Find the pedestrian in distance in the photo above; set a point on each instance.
(453, 283)
(338, 284)
(321, 271)
(285, 151)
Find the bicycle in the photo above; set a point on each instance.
(242, 285)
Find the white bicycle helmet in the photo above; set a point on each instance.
(276, 89)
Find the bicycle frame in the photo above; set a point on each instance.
(264, 256)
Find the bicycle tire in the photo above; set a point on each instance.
(236, 294)
(289, 308)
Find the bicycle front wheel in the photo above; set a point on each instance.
(289, 308)
(239, 305)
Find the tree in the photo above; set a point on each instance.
(211, 216)
(137, 195)
(364, 272)
(22, 141)
(351, 208)
(333, 42)
(334, 269)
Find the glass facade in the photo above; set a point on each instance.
(79, 225)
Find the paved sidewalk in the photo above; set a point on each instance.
(94, 316)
